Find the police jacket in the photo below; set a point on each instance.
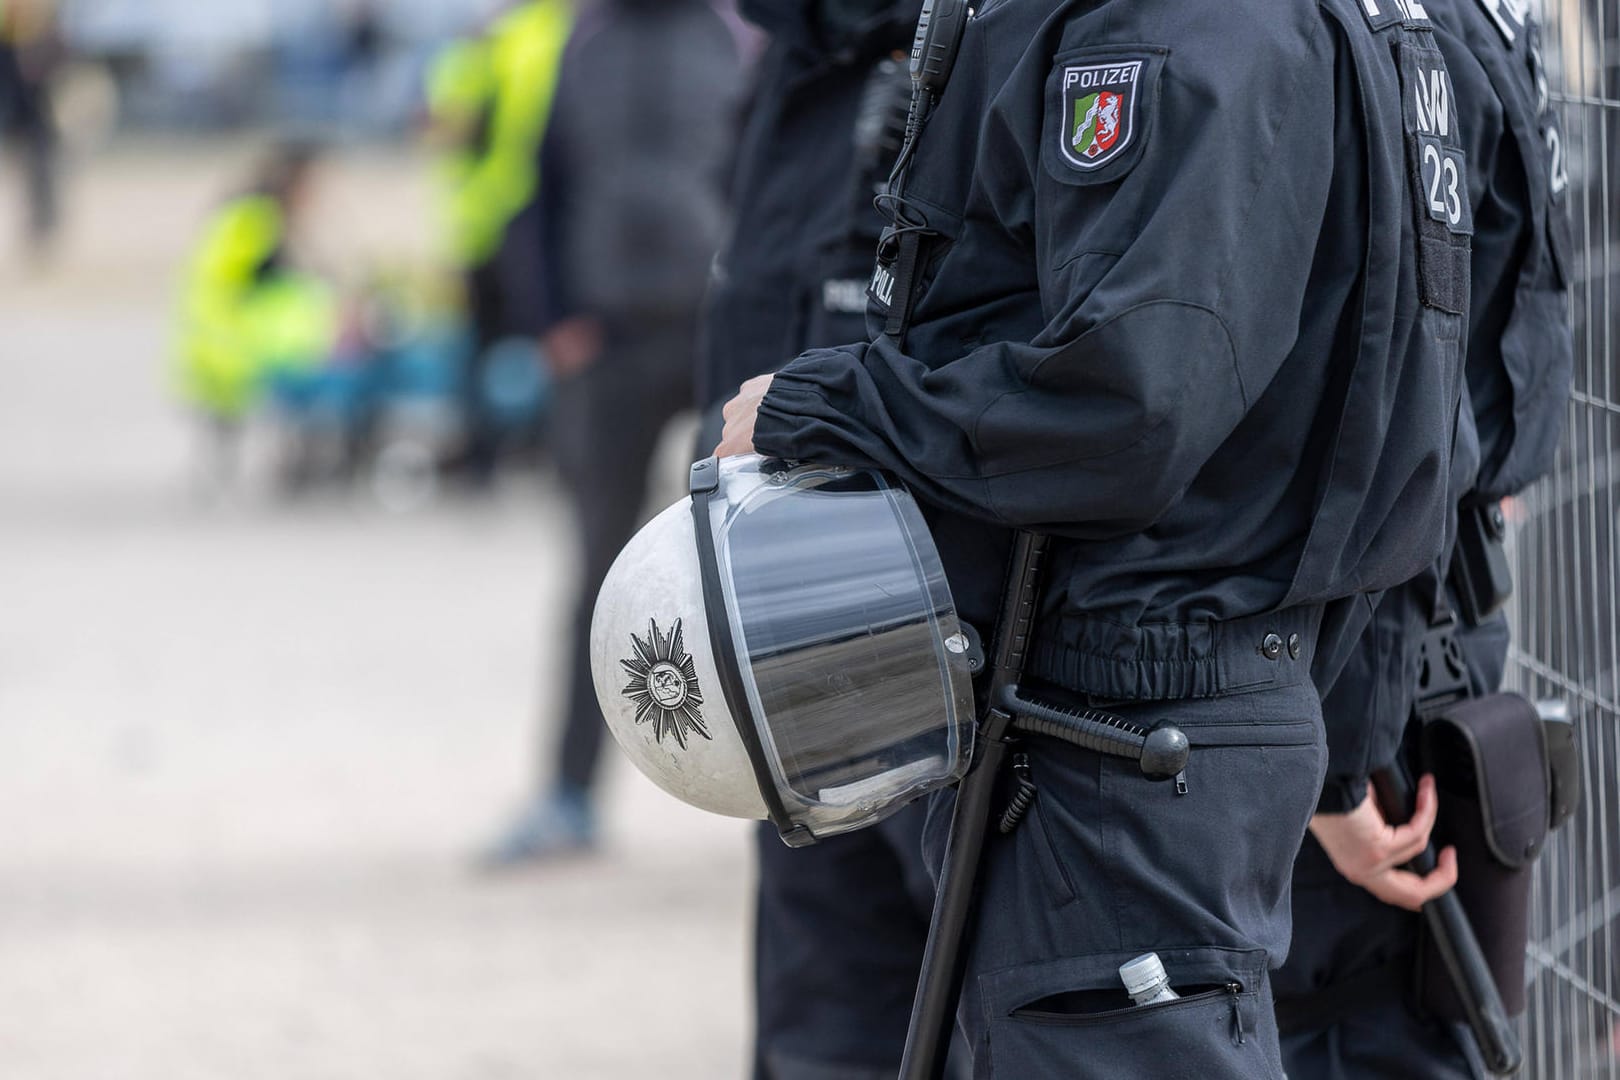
(496, 94)
(1176, 304)
(793, 272)
(1519, 354)
(246, 310)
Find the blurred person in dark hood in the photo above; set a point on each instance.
(623, 228)
(839, 926)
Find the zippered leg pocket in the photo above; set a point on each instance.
(1072, 1019)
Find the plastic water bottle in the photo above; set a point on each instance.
(1146, 981)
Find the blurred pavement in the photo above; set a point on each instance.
(246, 750)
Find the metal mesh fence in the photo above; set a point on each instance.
(1566, 611)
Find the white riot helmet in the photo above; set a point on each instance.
(783, 645)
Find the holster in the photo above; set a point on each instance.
(1480, 575)
(1506, 777)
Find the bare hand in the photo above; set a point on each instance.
(1368, 851)
(572, 345)
(740, 413)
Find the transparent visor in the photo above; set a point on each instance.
(853, 660)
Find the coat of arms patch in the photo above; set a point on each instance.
(1099, 103)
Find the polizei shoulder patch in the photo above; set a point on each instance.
(1100, 111)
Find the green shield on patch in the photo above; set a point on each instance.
(1099, 111)
(1085, 124)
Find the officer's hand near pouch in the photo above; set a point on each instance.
(740, 413)
(1370, 852)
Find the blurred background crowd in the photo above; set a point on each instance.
(324, 412)
(343, 344)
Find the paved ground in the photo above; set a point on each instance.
(245, 750)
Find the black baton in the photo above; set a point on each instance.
(1455, 940)
(933, 1011)
(1161, 752)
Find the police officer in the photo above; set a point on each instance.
(840, 925)
(1345, 995)
(1160, 284)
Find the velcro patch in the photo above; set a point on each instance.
(1438, 168)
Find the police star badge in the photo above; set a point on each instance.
(664, 685)
(1099, 108)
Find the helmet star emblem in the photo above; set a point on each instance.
(664, 686)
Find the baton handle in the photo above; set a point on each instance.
(933, 1011)
(1161, 751)
(1017, 623)
(1456, 942)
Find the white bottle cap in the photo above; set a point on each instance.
(1143, 975)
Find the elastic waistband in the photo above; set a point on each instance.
(1168, 661)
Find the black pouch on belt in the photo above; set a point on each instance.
(1506, 780)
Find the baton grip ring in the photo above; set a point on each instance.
(1161, 751)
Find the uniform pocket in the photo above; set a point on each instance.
(1537, 352)
(1071, 1018)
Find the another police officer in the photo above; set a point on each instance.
(1161, 283)
(1346, 995)
(840, 925)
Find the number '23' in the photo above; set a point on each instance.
(1442, 178)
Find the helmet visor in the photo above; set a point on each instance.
(852, 656)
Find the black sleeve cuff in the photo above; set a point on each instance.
(1342, 794)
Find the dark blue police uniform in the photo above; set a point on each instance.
(1345, 996)
(793, 275)
(1174, 299)
(840, 926)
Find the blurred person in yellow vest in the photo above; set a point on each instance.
(30, 52)
(246, 310)
(489, 100)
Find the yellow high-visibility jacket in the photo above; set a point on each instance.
(241, 316)
(496, 94)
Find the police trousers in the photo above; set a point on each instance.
(1345, 995)
(1348, 988)
(1107, 865)
(839, 936)
(1386, 1041)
